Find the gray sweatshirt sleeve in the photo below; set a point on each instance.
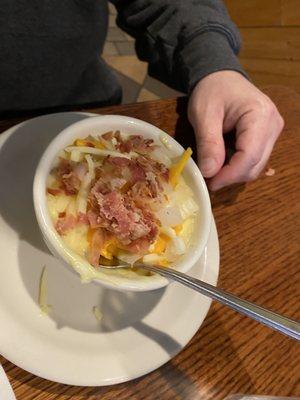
(182, 40)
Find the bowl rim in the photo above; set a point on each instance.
(52, 238)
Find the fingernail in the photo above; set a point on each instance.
(207, 165)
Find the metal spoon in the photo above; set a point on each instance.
(278, 322)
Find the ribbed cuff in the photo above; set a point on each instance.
(206, 53)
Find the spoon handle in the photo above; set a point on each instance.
(278, 322)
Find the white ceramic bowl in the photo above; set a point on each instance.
(120, 279)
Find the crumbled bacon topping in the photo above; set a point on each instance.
(54, 191)
(118, 214)
(69, 176)
(137, 144)
(66, 223)
(120, 195)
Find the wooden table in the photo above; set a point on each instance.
(259, 233)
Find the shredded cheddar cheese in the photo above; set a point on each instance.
(89, 143)
(176, 169)
(109, 249)
(159, 245)
(178, 229)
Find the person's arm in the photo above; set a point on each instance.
(192, 45)
(182, 40)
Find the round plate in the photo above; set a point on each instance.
(70, 346)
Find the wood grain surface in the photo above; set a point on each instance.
(270, 31)
(258, 13)
(259, 232)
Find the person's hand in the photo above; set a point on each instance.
(219, 103)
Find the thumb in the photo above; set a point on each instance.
(210, 144)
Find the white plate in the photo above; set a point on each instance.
(139, 332)
(6, 392)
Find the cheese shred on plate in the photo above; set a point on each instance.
(122, 196)
(97, 314)
(44, 306)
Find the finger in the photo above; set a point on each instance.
(255, 172)
(253, 149)
(208, 127)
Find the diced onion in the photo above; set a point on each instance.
(175, 248)
(188, 208)
(169, 216)
(179, 246)
(182, 198)
(168, 232)
(159, 155)
(76, 239)
(152, 258)
(75, 155)
(165, 141)
(128, 258)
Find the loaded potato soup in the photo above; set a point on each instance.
(122, 196)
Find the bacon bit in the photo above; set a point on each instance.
(107, 135)
(117, 135)
(270, 172)
(138, 144)
(62, 214)
(64, 167)
(101, 186)
(113, 209)
(149, 165)
(94, 219)
(63, 225)
(83, 218)
(97, 242)
(54, 192)
(141, 191)
(80, 170)
(125, 188)
(71, 183)
(165, 175)
(137, 172)
(118, 161)
(139, 246)
(117, 183)
(122, 217)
